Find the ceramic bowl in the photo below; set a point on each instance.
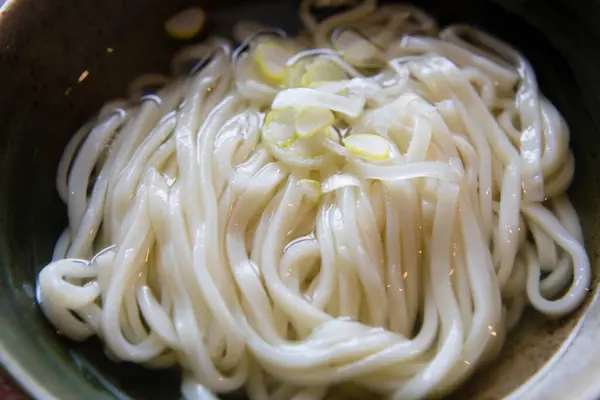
(60, 60)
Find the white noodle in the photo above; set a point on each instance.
(309, 271)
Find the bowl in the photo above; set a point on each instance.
(60, 60)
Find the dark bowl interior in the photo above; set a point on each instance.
(46, 45)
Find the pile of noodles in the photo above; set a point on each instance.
(309, 270)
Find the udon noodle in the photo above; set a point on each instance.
(366, 208)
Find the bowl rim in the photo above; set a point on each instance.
(32, 386)
(561, 376)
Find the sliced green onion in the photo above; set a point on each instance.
(271, 58)
(186, 24)
(279, 127)
(322, 70)
(368, 146)
(310, 120)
